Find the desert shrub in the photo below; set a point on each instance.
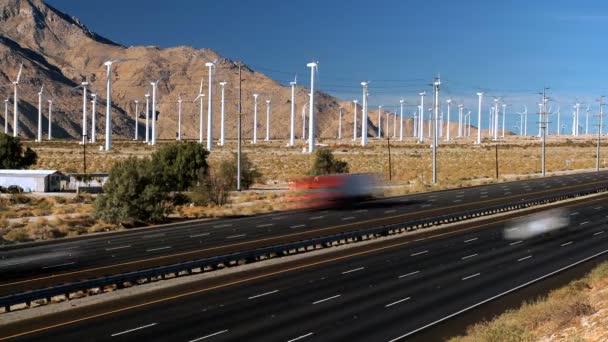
(12, 154)
(249, 174)
(213, 188)
(325, 163)
(17, 235)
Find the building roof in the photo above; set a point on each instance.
(31, 173)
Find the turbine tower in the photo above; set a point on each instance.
(292, 124)
(304, 109)
(447, 136)
(421, 118)
(401, 120)
(364, 116)
(6, 116)
(154, 86)
(147, 96)
(136, 120)
(558, 120)
(39, 139)
(587, 120)
(210, 65)
(200, 97)
(379, 132)
(179, 118)
(16, 102)
(267, 120)
(480, 95)
(504, 108)
(461, 126)
(50, 136)
(311, 115)
(108, 65)
(355, 120)
(93, 118)
(255, 118)
(496, 119)
(395, 125)
(222, 116)
(84, 85)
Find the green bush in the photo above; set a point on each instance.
(249, 174)
(177, 165)
(12, 155)
(325, 163)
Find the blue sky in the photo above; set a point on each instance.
(509, 49)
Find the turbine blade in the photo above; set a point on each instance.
(19, 73)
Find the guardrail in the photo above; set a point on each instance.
(93, 286)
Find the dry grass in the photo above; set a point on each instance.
(547, 316)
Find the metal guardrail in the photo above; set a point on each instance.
(202, 265)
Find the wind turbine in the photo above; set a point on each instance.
(222, 117)
(576, 118)
(84, 85)
(292, 124)
(415, 130)
(340, 124)
(461, 125)
(200, 97)
(504, 106)
(6, 116)
(16, 102)
(108, 65)
(521, 120)
(50, 136)
(210, 65)
(558, 121)
(480, 95)
(267, 120)
(421, 117)
(93, 118)
(179, 118)
(469, 124)
(40, 114)
(364, 116)
(496, 113)
(401, 102)
(314, 66)
(255, 118)
(136, 120)
(587, 120)
(379, 132)
(355, 120)
(304, 109)
(147, 96)
(154, 86)
(447, 137)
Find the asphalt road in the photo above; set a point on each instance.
(387, 293)
(49, 264)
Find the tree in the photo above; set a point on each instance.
(249, 174)
(177, 166)
(325, 163)
(12, 154)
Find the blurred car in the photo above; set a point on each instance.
(333, 190)
(537, 224)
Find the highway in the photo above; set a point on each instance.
(35, 266)
(384, 291)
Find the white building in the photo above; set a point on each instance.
(32, 180)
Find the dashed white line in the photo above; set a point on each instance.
(153, 235)
(470, 240)
(265, 225)
(198, 235)
(390, 211)
(513, 228)
(598, 233)
(326, 299)
(300, 337)
(419, 253)
(348, 218)
(515, 243)
(263, 294)
(65, 264)
(469, 256)
(235, 236)
(157, 249)
(210, 335)
(316, 217)
(298, 226)
(524, 258)
(576, 213)
(425, 205)
(584, 223)
(223, 225)
(409, 274)
(132, 330)
(598, 208)
(119, 247)
(456, 201)
(361, 211)
(354, 270)
(397, 302)
(471, 276)
(566, 244)
(278, 218)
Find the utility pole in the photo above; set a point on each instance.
(543, 126)
(447, 138)
(599, 135)
(238, 158)
(436, 85)
(355, 121)
(364, 116)
(421, 118)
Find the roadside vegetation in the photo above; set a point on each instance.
(575, 312)
(13, 155)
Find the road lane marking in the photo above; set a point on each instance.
(470, 240)
(223, 225)
(397, 302)
(354, 270)
(566, 244)
(210, 335)
(300, 337)
(390, 211)
(524, 258)
(348, 218)
(598, 208)
(132, 330)
(511, 229)
(573, 214)
(265, 225)
(316, 217)
(278, 218)
(471, 276)
(584, 223)
(119, 247)
(457, 201)
(598, 233)
(409, 274)
(263, 294)
(361, 211)
(420, 253)
(298, 226)
(198, 235)
(157, 249)
(469, 256)
(153, 236)
(516, 243)
(235, 236)
(326, 299)
(66, 264)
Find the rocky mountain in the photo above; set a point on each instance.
(59, 52)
